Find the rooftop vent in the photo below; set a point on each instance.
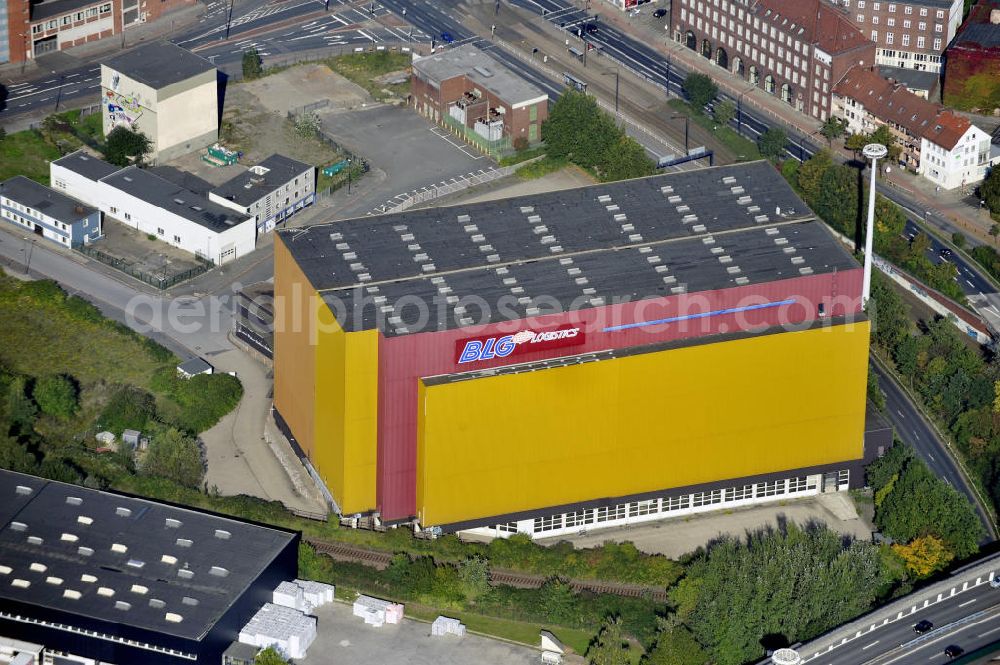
(136, 563)
(69, 537)
(119, 548)
(55, 581)
(72, 594)
(168, 559)
(35, 540)
(157, 603)
(122, 605)
(85, 551)
(107, 592)
(21, 584)
(83, 519)
(139, 589)
(173, 617)
(172, 523)
(184, 542)
(218, 571)
(18, 526)
(189, 601)
(23, 490)
(185, 573)
(123, 512)
(89, 579)
(6, 570)
(484, 71)
(222, 534)
(38, 567)
(74, 500)
(127, 178)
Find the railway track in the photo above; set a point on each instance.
(381, 561)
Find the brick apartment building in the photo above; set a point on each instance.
(795, 51)
(935, 142)
(30, 29)
(911, 34)
(466, 87)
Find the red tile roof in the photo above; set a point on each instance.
(890, 101)
(814, 22)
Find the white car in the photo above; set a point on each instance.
(995, 582)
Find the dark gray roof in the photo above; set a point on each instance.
(911, 78)
(468, 60)
(164, 194)
(159, 65)
(29, 193)
(251, 186)
(92, 168)
(188, 181)
(57, 514)
(194, 366)
(683, 232)
(978, 32)
(43, 10)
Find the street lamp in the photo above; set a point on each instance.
(874, 152)
(687, 121)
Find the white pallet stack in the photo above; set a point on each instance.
(285, 628)
(377, 612)
(303, 595)
(447, 626)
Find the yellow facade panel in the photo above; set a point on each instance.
(641, 423)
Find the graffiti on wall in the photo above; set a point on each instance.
(122, 109)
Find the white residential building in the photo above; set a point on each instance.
(269, 191)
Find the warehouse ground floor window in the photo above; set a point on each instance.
(646, 510)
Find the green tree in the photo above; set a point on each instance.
(958, 239)
(884, 136)
(123, 146)
(676, 646)
(811, 172)
(475, 575)
(609, 647)
(995, 231)
(21, 410)
(837, 199)
(875, 394)
(175, 456)
(128, 408)
(772, 143)
(56, 395)
(626, 159)
(269, 656)
(833, 129)
(724, 111)
(989, 190)
(699, 89)
(578, 130)
(889, 314)
(15, 457)
(253, 66)
(855, 142)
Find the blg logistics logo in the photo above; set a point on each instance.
(477, 349)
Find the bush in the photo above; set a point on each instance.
(176, 457)
(700, 89)
(124, 146)
(129, 408)
(199, 402)
(56, 395)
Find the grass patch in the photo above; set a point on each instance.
(525, 632)
(523, 156)
(543, 166)
(742, 148)
(364, 68)
(27, 153)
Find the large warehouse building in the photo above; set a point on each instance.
(595, 356)
(90, 577)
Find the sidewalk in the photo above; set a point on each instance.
(71, 58)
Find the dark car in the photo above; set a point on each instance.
(660, 13)
(945, 253)
(922, 627)
(590, 28)
(447, 38)
(953, 651)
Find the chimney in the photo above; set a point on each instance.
(995, 16)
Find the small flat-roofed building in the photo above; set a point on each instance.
(464, 87)
(35, 208)
(97, 576)
(269, 191)
(167, 93)
(153, 205)
(77, 174)
(194, 367)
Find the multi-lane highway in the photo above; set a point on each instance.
(964, 611)
(272, 28)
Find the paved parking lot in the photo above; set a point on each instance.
(345, 639)
(413, 153)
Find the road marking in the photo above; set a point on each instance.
(968, 602)
(970, 284)
(900, 413)
(931, 457)
(991, 630)
(870, 645)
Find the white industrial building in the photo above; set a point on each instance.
(166, 92)
(37, 209)
(153, 205)
(270, 191)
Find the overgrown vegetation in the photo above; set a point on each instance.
(989, 192)
(66, 373)
(744, 149)
(833, 190)
(365, 69)
(955, 382)
(577, 130)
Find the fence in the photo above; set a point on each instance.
(163, 281)
(494, 149)
(470, 180)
